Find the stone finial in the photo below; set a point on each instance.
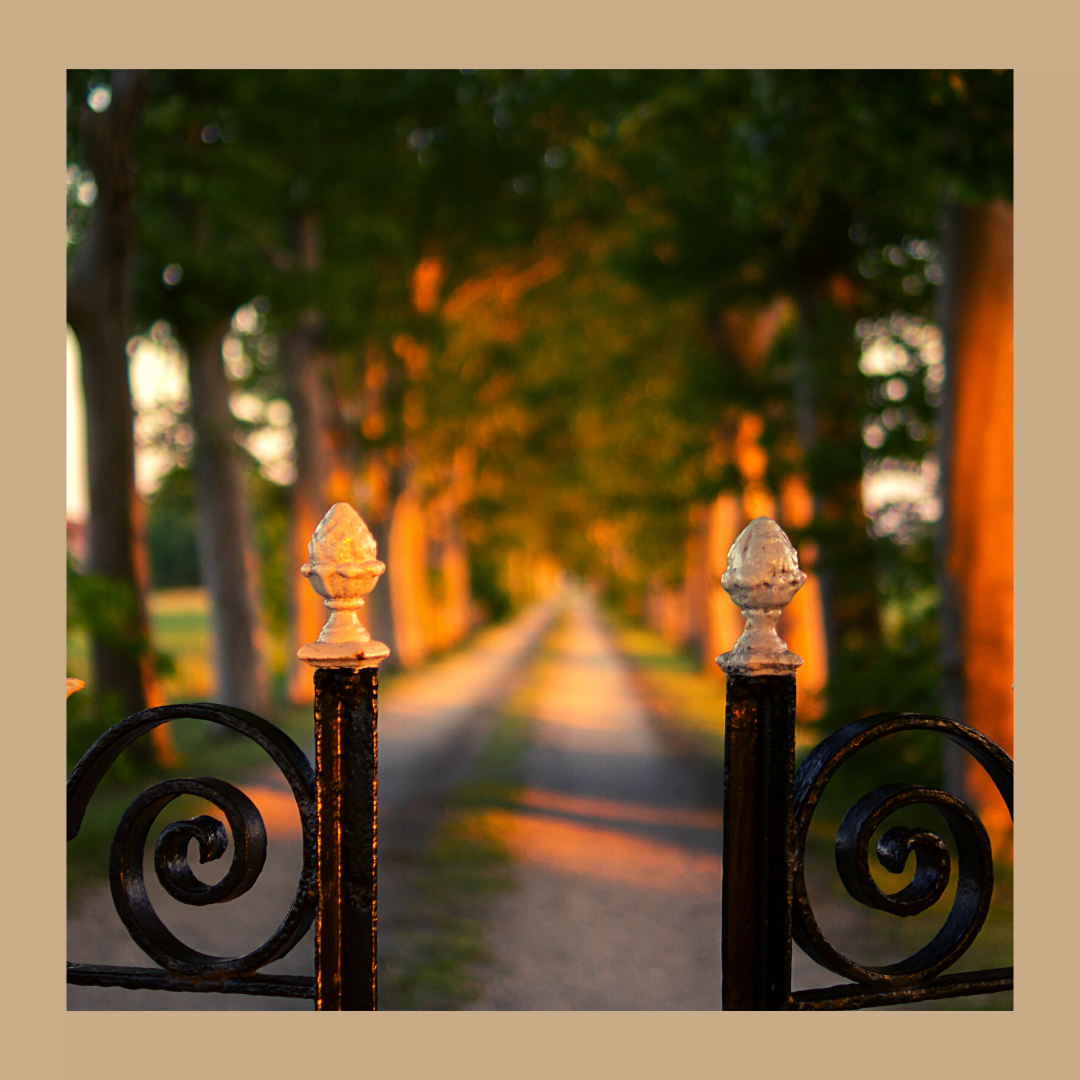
(761, 578)
(342, 569)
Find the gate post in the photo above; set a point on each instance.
(759, 763)
(343, 569)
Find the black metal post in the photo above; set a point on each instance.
(759, 764)
(346, 755)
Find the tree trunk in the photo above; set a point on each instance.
(99, 307)
(725, 521)
(449, 616)
(802, 624)
(976, 532)
(842, 555)
(227, 560)
(408, 586)
(378, 611)
(321, 480)
(749, 335)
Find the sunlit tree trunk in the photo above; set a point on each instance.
(696, 581)
(450, 615)
(227, 561)
(407, 553)
(456, 554)
(749, 335)
(802, 624)
(725, 521)
(384, 482)
(99, 312)
(976, 533)
(843, 557)
(322, 479)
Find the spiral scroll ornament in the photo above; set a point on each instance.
(126, 870)
(975, 870)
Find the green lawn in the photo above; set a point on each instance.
(436, 960)
(180, 627)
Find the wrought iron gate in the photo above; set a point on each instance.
(337, 803)
(768, 806)
(767, 811)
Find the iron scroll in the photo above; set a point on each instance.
(126, 869)
(975, 875)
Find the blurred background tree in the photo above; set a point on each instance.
(590, 320)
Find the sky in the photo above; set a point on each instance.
(159, 390)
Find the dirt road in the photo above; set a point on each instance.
(429, 725)
(616, 841)
(618, 849)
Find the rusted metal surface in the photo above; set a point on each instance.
(975, 871)
(766, 906)
(181, 967)
(768, 808)
(346, 755)
(342, 568)
(337, 803)
(759, 748)
(133, 978)
(853, 996)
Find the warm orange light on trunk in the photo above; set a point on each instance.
(408, 581)
(802, 625)
(725, 522)
(308, 612)
(979, 554)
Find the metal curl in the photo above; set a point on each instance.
(975, 881)
(171, 849)
(170, 856)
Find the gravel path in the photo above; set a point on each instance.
(618, 845)
(617, 841)
(430, 722)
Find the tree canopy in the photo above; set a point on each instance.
(533, 280)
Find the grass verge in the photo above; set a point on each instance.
(180, 620)
(688, 702)
(436, 958)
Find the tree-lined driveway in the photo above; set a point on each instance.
(430, 723)
(618, 849)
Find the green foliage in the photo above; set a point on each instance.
(595, 400)
(484, 580)
(270, 508)
(107, 610)
(171, 532)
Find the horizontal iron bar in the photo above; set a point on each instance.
(854, 996)
(133, 978)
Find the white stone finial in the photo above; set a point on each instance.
(761, 578)
(342, 569)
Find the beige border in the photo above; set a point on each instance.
(38, 40)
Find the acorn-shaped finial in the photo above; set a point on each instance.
(762, 576)
(342, 569)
